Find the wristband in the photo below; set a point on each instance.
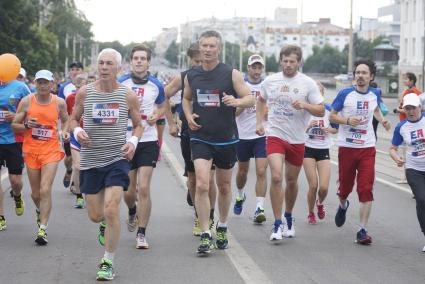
(348, 121)
(134, 140)
(76, 131)
(26, 124)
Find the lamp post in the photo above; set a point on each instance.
(350, 45)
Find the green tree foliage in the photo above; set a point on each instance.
(326, 60)
(272, 64)
(172, 52)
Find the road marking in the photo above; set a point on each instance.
(385, 182)
(243, 263)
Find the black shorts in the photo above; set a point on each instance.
(317, 154)
(67, 148)
(94, 180)
(223, 156)
(11, 158)
(160, 121)
(187, 154)
(146, 155)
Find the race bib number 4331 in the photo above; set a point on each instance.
(208, 98)
(106, 113)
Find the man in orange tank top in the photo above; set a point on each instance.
(40, 113)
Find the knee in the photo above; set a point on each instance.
(75, 167)
(242, 172)
(365, 196)
(223, 187)
(95, 216)
(291, 182)
(16, 183)
(261, 173)
(276, 178)
(144, 192)
(202, 187)
(111, 211)
(323, 188)
(44, 193)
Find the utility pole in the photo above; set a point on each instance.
(350, 46)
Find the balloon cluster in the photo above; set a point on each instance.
(9, 67)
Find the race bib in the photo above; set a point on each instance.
(42, 132)
(2, 116)
(106, 113)
(357, 136)
(208, 98)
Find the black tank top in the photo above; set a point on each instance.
(217, 120)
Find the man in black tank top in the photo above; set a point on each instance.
(171, 90)
(216, 90)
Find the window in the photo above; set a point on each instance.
(406, 12)
(423, 48)
(406, 47)
(414, 11)
(413, 47)
(294, 38)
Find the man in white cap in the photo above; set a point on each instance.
(37, 117)
(22, 75)
(251, 145)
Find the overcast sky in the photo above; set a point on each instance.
(139, 20)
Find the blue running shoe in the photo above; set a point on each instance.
(340, 215)
(237, 209)
(363, 238)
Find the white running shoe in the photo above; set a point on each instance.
(276, 233)
(141, 242)
(132, 223)
(423, 250)
(288, 233)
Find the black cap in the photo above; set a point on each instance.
(76, 64)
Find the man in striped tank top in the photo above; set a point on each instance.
(37, 117)
(106, 105)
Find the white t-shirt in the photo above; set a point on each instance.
(284, 121)
(315, 137)
(350, 103)
(247, 120)
(412, 133)
(149, 95)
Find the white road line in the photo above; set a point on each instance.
(391, 184)
(244, 264)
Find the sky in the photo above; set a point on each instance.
(139, 20)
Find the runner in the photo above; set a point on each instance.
(353, 109)
(251, 145)
(11, 94)
(104, 164)
(65, 90)
(317, 165)
(213, 88)
(40, 113)
(411, 131)
(291, 98)
(150, 93)
(80, 80)
(171, 90)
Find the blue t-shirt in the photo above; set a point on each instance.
(10, 95)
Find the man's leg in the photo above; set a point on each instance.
(144, 176)
(202, 202)
(416, 180)
(34, 177)
(291, 192)
(76, 178)
(48, 173)
(241, 178)
(275, 161)
(2, 219)
(324, 171)
(309, 165)
(130, 198)
(224, 178)
(212, 194)
(68, 164)
(111, 211)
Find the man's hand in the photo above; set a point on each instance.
(9, 116)
(65, 136)
(298, 105)
(173, 129)
(83, 138)
(192, 123)
(386, 124)
(399, 161)
(230, 100)
(354, 121)
(128, 150)
(151, 120)
(259, 129)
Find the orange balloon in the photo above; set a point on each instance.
(9, 67)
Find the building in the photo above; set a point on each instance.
(286, 16)
(412, 44)
(164, 39)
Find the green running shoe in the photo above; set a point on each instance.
(106, 270)
(222, 242)
(37, 212)
(205, 245)
(196, 228)
(19, 205)
(41, 237)
(3, 223)
(79, 204)
(101, 236)
(259, 216)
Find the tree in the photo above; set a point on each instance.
(272, 64)
(326, 60)
(172, 53)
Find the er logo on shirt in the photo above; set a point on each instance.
(416, 134)
(362, 105)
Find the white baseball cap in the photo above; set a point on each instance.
(44, 74)
(411, 99)
(23, 73)
(255, 58)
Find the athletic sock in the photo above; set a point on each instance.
(132, 211)
(288, 217)
(221, 225)
(241, 194)
(109, 256)
(141, 230)
(260, 202)
(212, 214)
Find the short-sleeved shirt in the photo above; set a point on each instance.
(246, 120)
(315, 137)
(149, 95)
(11, 94)
(351, 103)
(411, 90)
(66, 89)
(284, 121)
(412, 133)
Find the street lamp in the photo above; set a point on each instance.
(350, 44)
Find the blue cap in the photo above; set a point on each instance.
(44, 74)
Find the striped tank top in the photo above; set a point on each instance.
(105, 122)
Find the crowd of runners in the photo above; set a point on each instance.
(108, 130)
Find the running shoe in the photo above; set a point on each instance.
(196, 228)
(67, 179)
(320, 210)
(41, 237)
(37, 213)
(19, 205)
(237, 208)
(79, 204)
(259, 216)
(141, 242)
(311, 218)
(205, 244)
(211, 226)
(221, 240)
(132, 222)
(101, 236)
(106, 270)
(3, 223)
(189, 199)
(423, 250)
(363, 238)
(288, 232)
(276, 232)
(340, 215)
